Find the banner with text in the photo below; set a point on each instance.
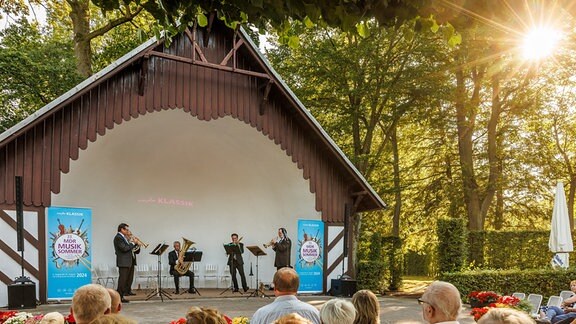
(310, 259)
(69, 261)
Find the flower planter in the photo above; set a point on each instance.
(477, 304)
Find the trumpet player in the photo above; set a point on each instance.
(282, 247)
(236, 262)
(126, 246)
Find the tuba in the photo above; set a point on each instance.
(183, 267)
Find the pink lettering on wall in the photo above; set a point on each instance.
(167, 201)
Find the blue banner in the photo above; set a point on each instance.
(310, 260)
(69, 261)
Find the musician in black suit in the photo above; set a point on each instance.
(173, 260)
(236, 262)
(126, 246)
(282, 248)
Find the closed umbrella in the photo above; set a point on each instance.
(560, 241)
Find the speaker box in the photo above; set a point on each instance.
(348, 287)
(343, 287)
(22, 295)
(335, 288)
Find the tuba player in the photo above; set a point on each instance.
(176, 257)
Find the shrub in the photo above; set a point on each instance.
(547, 282)
(451, 244)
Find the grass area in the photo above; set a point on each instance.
(415, 284)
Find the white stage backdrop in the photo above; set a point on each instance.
(170, 176)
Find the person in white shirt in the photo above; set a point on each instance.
(440, 303)
(286, 282)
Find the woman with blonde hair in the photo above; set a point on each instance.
(505, 316)
(113, 319)
(367, 307)
(204, 315)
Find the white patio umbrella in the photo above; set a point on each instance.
(560, 236)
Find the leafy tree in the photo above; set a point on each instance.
(35, 68)
(361, 89)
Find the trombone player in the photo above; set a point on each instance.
(176, 257)
(236, 262)
(126, 246)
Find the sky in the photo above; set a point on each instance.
(36, 13)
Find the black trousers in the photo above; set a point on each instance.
(125, 278)
(240, 267)
(177, 276)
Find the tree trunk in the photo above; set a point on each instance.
(397, 189)
(465, 117)
(356, 225)
(80, 15)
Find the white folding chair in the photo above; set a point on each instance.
(211, 273)
(106, 275)
(565, 294)
(226, 277)
(519, 295)
(535, 301)
(196, 270)
(554, 301)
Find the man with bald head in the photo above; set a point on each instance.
(286, 282)
(115, 303)
(89, 302)
(440, 303)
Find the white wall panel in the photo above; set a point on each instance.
(170, 176)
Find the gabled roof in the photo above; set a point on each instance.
(363, 188)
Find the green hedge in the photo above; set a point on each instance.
(547, 282)
(382, 269)
(452, 237)
(418, 263)
(508, 250)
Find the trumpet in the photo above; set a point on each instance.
(271, 243)
(138, 242)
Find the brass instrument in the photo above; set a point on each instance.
(183, 267)
(138, 242)
(271, 243)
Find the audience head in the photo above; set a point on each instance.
(89, 302)
(204, 315)
(367, 307)
(337, 311)
(440, 302)
(286, 282)
(505, 316)
(115, 303)
(52, 318)
(292, 318)
(113, 319)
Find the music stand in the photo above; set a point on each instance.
(193, 256)
(258, 252)
(232, 249)
(159, 292)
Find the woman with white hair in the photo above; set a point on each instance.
(337, 311)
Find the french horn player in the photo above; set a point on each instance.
(236, 262)
(178, 267)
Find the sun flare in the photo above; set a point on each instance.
(540, 43)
